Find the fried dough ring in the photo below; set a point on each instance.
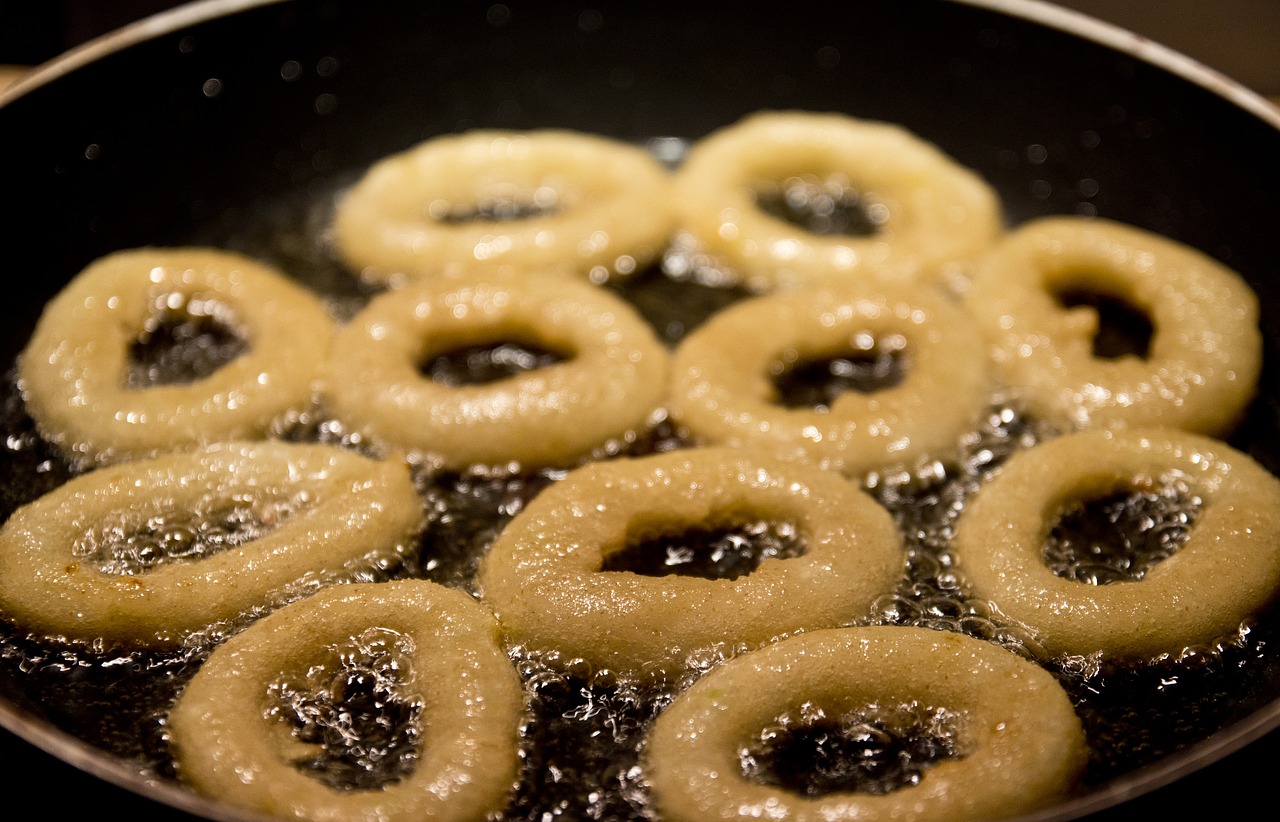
(1227, 570)
(937, 210)
(1206, 349)
(73, 370)
(1022, 745)
(613, 379)
(723, 390)
(343, 514)
(613, 210)
(543, 575)
(227, 746)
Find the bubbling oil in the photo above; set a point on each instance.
(582, 741)
(876, 750)
(185, 535)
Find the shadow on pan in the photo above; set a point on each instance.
(222, 121)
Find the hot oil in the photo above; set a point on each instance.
(583, 738)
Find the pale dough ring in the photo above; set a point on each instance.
(723, 376)
(1206, 349)
(611, 206)
(73, 370)
(543, 576)
(226, 745)
(1022, 746)
(1227, 570)
(344, 514)
(613, 377)
(937, 210)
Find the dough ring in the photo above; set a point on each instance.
(723, 386)
(612, 380)
(73, 372)
(1227, 570)
(323, 514)
(1205, 353)
(928, 210)
(543, 575)
(228, 745)
(577, 202)
(1022, 746)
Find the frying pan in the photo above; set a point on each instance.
(193, 125)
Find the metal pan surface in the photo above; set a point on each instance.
(213, 122)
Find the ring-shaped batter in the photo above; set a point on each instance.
(723, 374)
(339, 514)
(543, 575)
(931, 210)
(227, 746)
(74, 369)
(1227, 570)
(611, 381)
(1205, 353)
(600, 207)
(1021, 744)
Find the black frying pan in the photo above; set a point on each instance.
(194, 126)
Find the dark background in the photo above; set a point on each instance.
(1240, 38)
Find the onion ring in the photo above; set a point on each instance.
(723, 389)
(543, 575)
(227, 746)
(73, 370)
(339, 513)
(612, 382)
(601, 206)
(1205, 352)
(1022, 745)
(1227, 570)
(931, 210)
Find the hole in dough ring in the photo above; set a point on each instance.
(1227, 570)
(613, 206)
(613, 379)
(1022, 746)
(227, 747)
(543, 579)
(347, 514)
(723, 389)
(1206, 348)
(73, 370)
(938, 211)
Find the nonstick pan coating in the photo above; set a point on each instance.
(175, 130)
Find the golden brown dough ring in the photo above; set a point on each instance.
(723, 390)
(343, 513)
(1206, 349)
(1228, 569)
(543, 575)
(1022, 746)
(73, 370)
(937, 210)
(612, 380)
(611, 201)
(227, 747)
